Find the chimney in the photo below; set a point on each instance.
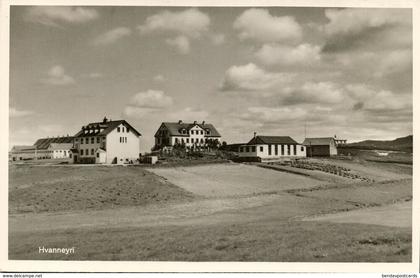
(180, 122)
(105, 120)
(195, 122)
(203, 122)
(255, 134)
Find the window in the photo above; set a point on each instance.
(201, 132)
(77, 140)
(81, 152)
(126, 139)
(188, 140)
(97, 154)
(81, 141)
(247, 149)
(288, 149)
(92, 140)
(282, 149)
(294, 149)
(269, 149)
(98, 140)
(92, 151)
(253, 149)
(196, 140)
(201, 141)
(122, 129)
(127, 129)
(276, 149)
(261, 148)
(118, 129)
(302, 149)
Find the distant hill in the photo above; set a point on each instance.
(404, 144)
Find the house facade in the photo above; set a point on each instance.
(60, 150)
(190, 135)
(272, 148)
(43, 148)
(106, 142)
(322, 146)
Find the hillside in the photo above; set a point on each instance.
(404, 144)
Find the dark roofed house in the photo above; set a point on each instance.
(107, 142)
(191, 135)
(321, 146)
(271, 148)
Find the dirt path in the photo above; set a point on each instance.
(396, 215)
(222, 180)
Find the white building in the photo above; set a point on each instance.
(60, 150)
(272, 148)
(188, 134)
(109, 142)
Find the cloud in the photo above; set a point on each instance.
(217, 39)
(190, 23)
(159, 78)
(250, 77)
(57, 76)
(181, 44)
(15, 113)
(275, 54)
(259, 25)
(112, 36)
(54, 15)
(151, 99)
(354, 28)
(314, 92)
(274, 114)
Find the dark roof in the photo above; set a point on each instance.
(61, 146)
(44, 143)
(175, 128)
(106, 127)
(318, 141)
(22, 148)
(272, 140)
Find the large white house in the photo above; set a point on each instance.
(187, 134)
(108, 142)
(272, 148)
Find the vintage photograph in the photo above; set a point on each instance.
(210, 134)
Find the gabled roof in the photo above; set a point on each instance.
(320, 141)
(60, 146)
(44, 143)
(272, 140)
(22, 148)
(175, 129)
(106, 128)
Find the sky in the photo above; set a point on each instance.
(271, 70)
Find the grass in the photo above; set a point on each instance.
(259, 241)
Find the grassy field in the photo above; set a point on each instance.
(213, 212)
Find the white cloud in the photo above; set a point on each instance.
(181, 44)
(354, 21)
(159, 78)
(217, 39)
(259, 25)
(190, 22)
(57, 76)
(15, 113)
(250, 77)
(112, 36)
(275, 54)
(396, 61)
(314, 92)
(274, 114)
(54, 15)
(151, 99)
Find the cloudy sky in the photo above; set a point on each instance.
(271, 70)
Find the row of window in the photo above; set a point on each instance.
(91, 140)
(86, 152)
(123, 139)
(193, 140)
(123, 129)
(291, 149)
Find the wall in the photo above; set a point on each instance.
(122, 151)
(264, 153)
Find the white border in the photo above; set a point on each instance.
(134, 266)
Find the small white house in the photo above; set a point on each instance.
(272, 148)
(107, 142)
(60, 150)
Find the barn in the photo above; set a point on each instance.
(323, 146)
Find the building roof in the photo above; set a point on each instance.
(44, 143)
(176, 128)
(321, 141)
(17, 148)
(272, 140)
(60, 146)
(103, 128)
